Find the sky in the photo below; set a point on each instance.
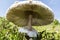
(53, 4)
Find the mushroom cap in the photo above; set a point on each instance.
(18, 13)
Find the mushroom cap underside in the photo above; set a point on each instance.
(41, 14)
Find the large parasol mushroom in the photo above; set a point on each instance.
(30, 13)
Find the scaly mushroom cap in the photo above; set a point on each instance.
(18, 13)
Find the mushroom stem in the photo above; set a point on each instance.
(30, 22)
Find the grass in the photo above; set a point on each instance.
(9, 31)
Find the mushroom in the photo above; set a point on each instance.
(30, 13)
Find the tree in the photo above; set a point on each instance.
(56, 22)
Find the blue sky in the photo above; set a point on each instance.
(53, 4)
